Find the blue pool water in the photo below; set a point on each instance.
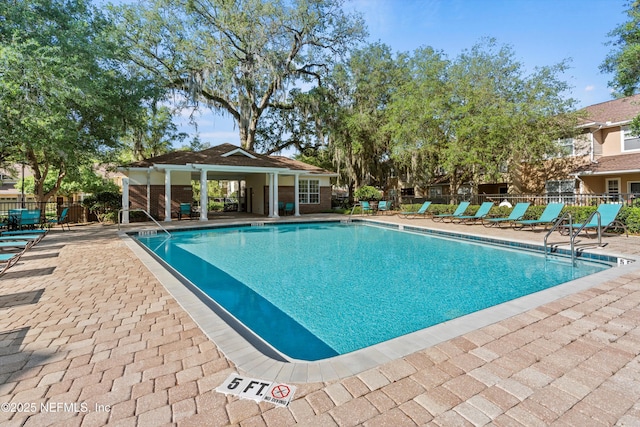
(316, 290)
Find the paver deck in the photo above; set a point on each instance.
(89, 336)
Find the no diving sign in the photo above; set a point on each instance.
(258, 390)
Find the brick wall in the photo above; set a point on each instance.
(286, 194)
(179, 194)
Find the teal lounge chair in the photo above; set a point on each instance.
(608, 213)
(483, 211)
(366, 208)
(15, 244)
(458, 212)
(288, 208)
(384, 206)
(422, 211)
(517, 213)
(9, 260)
(29, 219)
(21, 232)
(23, 237)
(550, 214)
(62, 220)
(186, 209)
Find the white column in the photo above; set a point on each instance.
(239, 192)
(296, 194)
(274, 207)
(204, 196)
(149, 191)
(270, 208)
(125, 200)
(167, 195)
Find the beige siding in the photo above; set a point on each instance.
(612, 141)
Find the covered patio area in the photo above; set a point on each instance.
(265, 185)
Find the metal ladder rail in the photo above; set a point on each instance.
(554, 227)
(146, 213)
(587, 222)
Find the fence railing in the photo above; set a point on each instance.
(48, 210)
(628, 199)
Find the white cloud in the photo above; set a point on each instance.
(589, 88)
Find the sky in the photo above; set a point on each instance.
(540, 32)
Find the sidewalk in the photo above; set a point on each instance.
(84, 323)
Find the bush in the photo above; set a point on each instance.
(367, 193)
(104, 205)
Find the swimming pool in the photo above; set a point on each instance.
(317, 290)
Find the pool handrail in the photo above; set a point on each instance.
(146, 213)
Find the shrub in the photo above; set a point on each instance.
(367, 193)
(104, 205)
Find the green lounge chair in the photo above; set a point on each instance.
(422, 211)
(517, 213)
(483, 211)
(458, 212)
(608, 214)
(550, 215)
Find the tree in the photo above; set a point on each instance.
(352, 115)
(64, 97)
(624, 60)
(480, 114)
(238, 57)
(152, 133)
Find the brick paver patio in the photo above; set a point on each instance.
(88, 336)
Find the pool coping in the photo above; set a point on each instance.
(251, 361)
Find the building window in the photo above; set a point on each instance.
(309, 191)
(435, 192)
(630, 142)
(566, 147)
(613, 186)
(560, 190)
(634, 188)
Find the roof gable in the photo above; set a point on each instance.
(238, 152)
(228, 155)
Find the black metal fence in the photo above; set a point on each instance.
(48, 211)
(628, 199)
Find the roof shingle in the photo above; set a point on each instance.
(616, 111)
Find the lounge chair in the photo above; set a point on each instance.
(482, 211)
(366, 208)
(23, 237)
(384, 206)
(186, 209)
(9, 260)
(550, 215)
(15, 244)
(29, 219)
(21, 232)
(62, 220)
(422, 211)
(288, 208)
(517, 213)
(608, 213)
(458, 212)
